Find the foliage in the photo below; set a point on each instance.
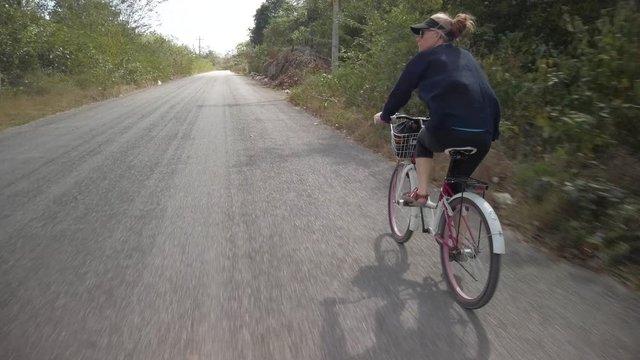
(591, 92)
(541, 22)
(22, 34)
(600, 213)
(262, 18)
(136, 14)
(94, 43)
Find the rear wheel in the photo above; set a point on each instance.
(399, 215)
(471, 268)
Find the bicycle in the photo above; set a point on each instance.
(463, 224)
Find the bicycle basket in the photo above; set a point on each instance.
(404, 137)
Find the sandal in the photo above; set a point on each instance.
(414, 199)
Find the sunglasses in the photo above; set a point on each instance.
(424, 31)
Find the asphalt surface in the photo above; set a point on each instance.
(207, 218)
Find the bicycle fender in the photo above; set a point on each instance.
(497, 236)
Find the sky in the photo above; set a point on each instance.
(221, 24)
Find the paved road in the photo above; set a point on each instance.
(208, 219)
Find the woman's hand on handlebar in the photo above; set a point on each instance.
(377, 120)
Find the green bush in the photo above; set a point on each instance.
(600, 213)
(592, 92)
(88, 43)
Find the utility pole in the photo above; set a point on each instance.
(335, 46)
(199, 40)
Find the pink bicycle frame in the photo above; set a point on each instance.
(452, 234)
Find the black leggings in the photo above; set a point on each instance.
(428, 143)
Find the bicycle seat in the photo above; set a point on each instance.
(460, 152)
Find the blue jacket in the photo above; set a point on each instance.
(453, 86)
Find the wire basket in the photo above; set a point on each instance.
(404, 137)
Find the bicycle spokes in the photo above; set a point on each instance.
(470, 265)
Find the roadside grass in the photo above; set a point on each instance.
(50, 94)
(19, 109)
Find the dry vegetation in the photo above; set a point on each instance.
(22, 108)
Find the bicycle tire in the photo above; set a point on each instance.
(400, 232)
(461, 291)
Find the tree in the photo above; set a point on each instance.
(262, 18)
(539, 20)
(22, 34)
(136, 13)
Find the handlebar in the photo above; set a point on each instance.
(407, 117)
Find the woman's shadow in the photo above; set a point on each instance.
(437, 327)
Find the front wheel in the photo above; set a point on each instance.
(399, 215)
(470, 268)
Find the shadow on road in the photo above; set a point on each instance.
(417, 320)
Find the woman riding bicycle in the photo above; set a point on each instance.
(463, 107)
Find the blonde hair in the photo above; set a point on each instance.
(457, 26)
